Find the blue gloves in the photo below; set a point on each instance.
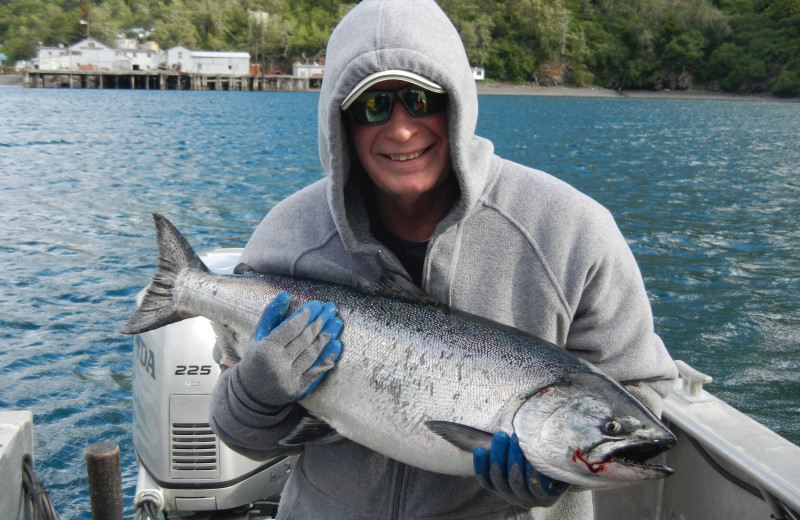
(505, 472)
(286, 359)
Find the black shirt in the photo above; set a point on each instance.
(411, 254)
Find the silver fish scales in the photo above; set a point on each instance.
(424, 384)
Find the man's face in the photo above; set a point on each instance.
(405, 156)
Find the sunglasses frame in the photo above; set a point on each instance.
(393, 95)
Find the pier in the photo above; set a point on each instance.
(165, 80)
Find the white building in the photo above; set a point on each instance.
(126, 43)
(307, 70)
(478, 73)
(143, 59)
(259, 17)
(91, 55)
(207, 62)
(144, 56)
(54, 58)
(88, 54)
(179, 58)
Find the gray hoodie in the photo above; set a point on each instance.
(520, 247)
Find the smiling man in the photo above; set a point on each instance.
(410, 189)
(406, 155)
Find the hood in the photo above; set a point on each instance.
(410, 35)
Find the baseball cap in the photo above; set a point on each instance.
(387, 75)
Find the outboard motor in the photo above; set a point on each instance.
(183, 467)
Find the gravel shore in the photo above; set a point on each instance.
(598, 92)
(11, 80)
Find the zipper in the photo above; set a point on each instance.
(387, 257)
(401, 471)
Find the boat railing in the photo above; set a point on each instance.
(726, 465)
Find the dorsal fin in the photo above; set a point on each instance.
(397, 286)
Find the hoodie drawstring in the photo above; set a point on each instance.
(353, 275)
(451, 274)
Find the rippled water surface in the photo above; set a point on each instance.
(707, 193)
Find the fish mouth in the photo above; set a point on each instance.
(627, 460)
(636, 456)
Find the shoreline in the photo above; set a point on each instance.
(12, 80)
(504, 89)
(509, 89)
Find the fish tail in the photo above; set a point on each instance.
(158, 307)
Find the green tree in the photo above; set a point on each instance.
(746, 74)
(577, 55)
(108, 19)
(737, 45)
(25, 25)
(683, 55)
(174, 27)
(787, 83)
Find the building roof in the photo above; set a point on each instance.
(89, 43)
(140, 51)
(212, 54)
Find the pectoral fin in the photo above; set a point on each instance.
(310, 429)
(226, 351)
(461, 436)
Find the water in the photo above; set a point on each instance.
(706, 192)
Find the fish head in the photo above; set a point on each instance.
(588, 430)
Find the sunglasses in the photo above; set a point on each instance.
(375, 108)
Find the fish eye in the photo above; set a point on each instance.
(611, 427)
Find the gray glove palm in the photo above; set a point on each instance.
(283, 364)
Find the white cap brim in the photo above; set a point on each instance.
(388, 75)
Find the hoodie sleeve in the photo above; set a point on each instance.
(612, 326)
(245, 425)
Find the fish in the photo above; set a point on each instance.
(421, 382)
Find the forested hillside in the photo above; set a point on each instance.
(732, 45)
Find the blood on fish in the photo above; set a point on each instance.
(544, 391)
(594, 467)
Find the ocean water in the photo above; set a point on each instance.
(706, 192)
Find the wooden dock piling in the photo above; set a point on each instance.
(105, 481)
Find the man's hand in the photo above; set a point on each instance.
(505, 471)
(287, 359)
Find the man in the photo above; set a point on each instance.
(410, 189)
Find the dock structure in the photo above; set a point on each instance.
(165, 80)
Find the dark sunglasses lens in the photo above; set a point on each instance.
(374, 108)
(371, 108)
(420, 102)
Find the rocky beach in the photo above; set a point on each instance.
(11, 80)
(506, 89)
